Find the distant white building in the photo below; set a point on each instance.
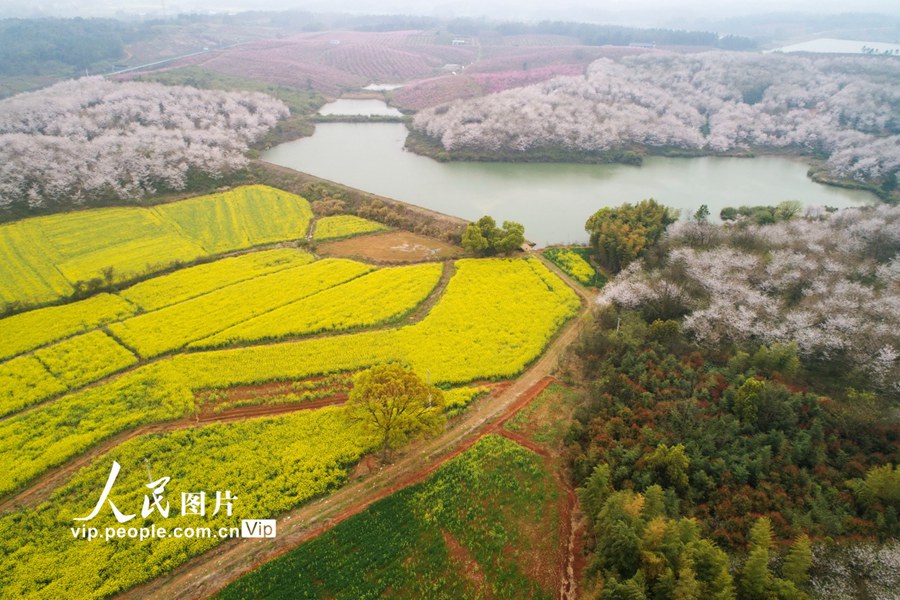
(834, 46)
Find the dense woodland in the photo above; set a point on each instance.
(741, 435)
(593, 34)
(92, 139)
(845, 109)
(827, 283)
(36, 46)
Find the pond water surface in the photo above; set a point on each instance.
(553, 201)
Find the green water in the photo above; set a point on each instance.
(552, 200)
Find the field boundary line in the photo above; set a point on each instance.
(211, 571)
(42, 487)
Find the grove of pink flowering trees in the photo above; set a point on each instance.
(89, 139)
(828, 283)
(844, 108)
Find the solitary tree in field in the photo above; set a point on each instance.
(395, 405)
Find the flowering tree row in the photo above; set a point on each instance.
(844, 108)
(333, 62)
(92, 139)
(829, 284)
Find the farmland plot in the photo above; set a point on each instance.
(248, 216)
(173, 327)
(469, 528)
(185, 284)
(476, 331)
(373, 299)
(479, 329)
(130, 241)
(341, 226)
(43, 259)
(27, 274)
(284, 462)
(36, 328)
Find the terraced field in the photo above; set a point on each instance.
(381, 296)
(36, 328)
(175, 326)
(185, 284)
(74, 376)
(45, 259)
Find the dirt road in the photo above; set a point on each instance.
(211, 571)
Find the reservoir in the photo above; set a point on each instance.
(348, 106)
(552, 201)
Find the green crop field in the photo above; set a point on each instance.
(484, 525)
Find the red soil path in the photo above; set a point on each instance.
(208, 573)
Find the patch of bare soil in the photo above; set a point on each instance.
(367, 465)
(470, 570)
(390, 248)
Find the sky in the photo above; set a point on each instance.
(631, 12)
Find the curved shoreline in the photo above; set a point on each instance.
(423, 145)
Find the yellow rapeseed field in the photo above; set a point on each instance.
(44, 258)
(247, 216)
(85, 358)
(173, 327)
(185, 284)
(341, 226)
(373, 299)
(28, 275)
(25, 381)
(284, 461)
(36, 328)
(494, 318)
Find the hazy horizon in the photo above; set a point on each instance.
(683, 13)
